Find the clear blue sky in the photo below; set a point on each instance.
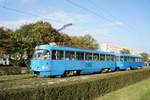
(123, 22)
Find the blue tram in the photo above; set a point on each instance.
(127, 62)
(51, 60)
(57, 60)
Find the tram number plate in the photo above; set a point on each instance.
(88, 64)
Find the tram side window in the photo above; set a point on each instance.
(140, 59)
(102, 57)
(88, 56)
(125, 58)
(40, 54)
(131, 59)
(57, 54)
(70, 55)
(108, 58)
(79, 55)
(95, 56)
(117, 58)
(112, 58)
(136, 59)
(46, 54)
(121, 58)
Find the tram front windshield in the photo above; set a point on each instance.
(41, 54)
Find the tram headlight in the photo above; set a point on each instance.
(45, 67)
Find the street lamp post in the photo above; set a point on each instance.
(60, 29)
(63, 27)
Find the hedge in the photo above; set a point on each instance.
(77, 90)
(9, 70)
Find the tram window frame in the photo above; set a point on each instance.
(95, 56)
(87, 56)
(112, 57)
(79, 55)
(122, 58)
(108, 57)
(126, 58)
(57, 56)
(131, 59)
(41, 54)
(136, 59)
(140, 60)
(117, 58)
(102, 57)
(70, 55)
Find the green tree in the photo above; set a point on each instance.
(45, 33)
(125, 51)
(36, 33)
(90, 42)
(145, 56)
(28, 36)
(5, 41)
(85, 42)
(65, 40)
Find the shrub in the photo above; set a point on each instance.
(77, 90)
(9, 70)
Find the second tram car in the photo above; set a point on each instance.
(128, 62)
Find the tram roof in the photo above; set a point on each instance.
(121, 54)
(56, 47)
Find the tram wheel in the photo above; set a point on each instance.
(128, 69)
(109, 70)
(117, 69)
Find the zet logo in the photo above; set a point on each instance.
(88, 65)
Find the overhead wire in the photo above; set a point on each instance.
(111, 15)
(101, 9)
(28, 13)
(69, 1)
(95, 13)
(88, 10)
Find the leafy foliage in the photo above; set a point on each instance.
(28, 36)
(145, 56)
(5, 41)
(85, 42)
(24, 40)
(9, 70)
(125, 51)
